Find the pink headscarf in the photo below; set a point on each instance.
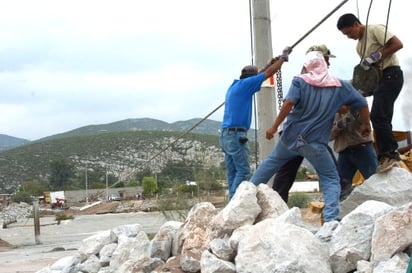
(317, 71)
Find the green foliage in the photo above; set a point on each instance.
(97, 185)
(301, 174)
(149, 185)
(132, 184)
(298, 199)
(145, 172)
(119, 185)
(34, 188)
(21, 196)
(207, 178)
(63, 216)
(61, 171)
(178, 171)
(187, 189)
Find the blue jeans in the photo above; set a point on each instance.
(318, 155)
(236, 158)
(362, 158)
(382, 111)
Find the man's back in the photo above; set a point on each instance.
(315, 108)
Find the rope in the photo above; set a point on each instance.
(279, 73)
(320, 22)
(366, 29)
(278, 79)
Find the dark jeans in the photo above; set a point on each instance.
(382, 111)
(284, 178)
(362, 158)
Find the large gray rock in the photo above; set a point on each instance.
(392, 187)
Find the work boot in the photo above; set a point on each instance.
(345, 189)
(386, 163)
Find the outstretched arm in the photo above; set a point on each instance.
(276, 63)
(284, 111)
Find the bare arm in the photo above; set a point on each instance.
(276, 63)
(365, 119)
(393, 45)
(274, 67)
(284, 111)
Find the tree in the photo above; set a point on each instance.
(149, 185)
(34, 187)
(178, 171)
(61, 171)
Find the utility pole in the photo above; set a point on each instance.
(87, 193)
(262, 42)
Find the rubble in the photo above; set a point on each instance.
(14, 211)
(255, 232)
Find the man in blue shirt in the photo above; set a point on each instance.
(237, 119)
(310, 106)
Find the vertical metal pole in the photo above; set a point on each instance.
(87, 193)
(262, 40)
(36, 221)
(107, 186)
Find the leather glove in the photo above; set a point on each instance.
(285, 53)
(373, 58)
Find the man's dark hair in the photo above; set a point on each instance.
(347, 20)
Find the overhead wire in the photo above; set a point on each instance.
(252, 61)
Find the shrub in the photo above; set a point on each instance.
(21, 196)
(299, 199)
(63, 216)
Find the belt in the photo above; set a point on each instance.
(352, 147)
(235, 129)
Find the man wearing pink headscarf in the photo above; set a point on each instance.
(310, 106)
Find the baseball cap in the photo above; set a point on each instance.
(322, 48)
(249, 70)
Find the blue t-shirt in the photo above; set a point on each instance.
(311, 118)
(238, 101)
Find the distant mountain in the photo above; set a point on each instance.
(119, 153)
(9, 142)
(208, 127)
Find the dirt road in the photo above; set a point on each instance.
(27, 256)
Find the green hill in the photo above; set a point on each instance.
(120, 153)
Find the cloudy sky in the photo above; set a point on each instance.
(68, 64)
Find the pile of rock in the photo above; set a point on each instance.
(14, 211)
(257, 232)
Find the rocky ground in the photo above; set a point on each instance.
(34, 260)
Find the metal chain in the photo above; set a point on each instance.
(279, 88)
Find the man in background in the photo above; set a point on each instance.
(377, 47)
(356, 151)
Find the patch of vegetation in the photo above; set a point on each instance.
(63, 216)
(299, 199)
(21, 196)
